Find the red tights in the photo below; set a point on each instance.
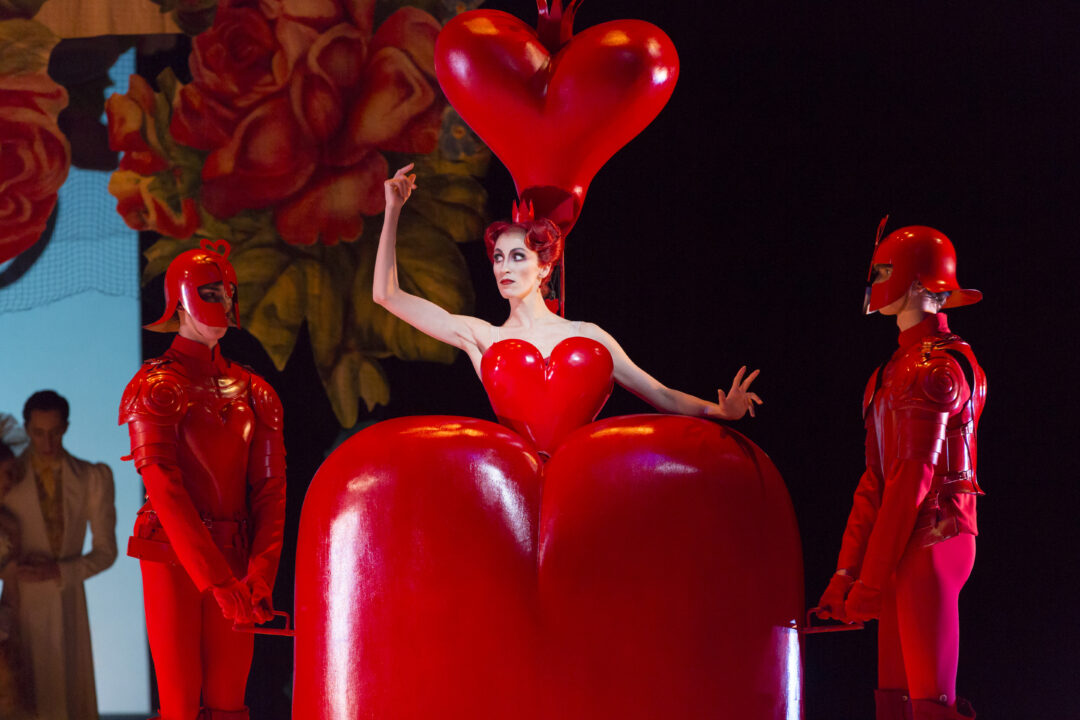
(919, 628)
(195, 650)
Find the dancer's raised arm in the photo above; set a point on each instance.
(460, 331)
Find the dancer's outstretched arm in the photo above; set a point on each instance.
(732, 405)
(461, 331)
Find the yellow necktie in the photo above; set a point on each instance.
(51, 499)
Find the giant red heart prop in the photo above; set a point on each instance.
(657, 575)
(555, 118)
(544, 399)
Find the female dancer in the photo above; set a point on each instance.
(522, 256)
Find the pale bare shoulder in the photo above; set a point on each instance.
(595, 332)
(474, 333)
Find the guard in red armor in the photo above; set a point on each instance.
(909, 544)
(206, 438)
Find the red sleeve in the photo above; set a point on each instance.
(864, 508)
(266, 482)
(189, 538)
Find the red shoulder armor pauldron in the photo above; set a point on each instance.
(266, 403)
(934, 382)
(153, 405)
(155, 394)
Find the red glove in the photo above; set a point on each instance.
(261, 603)
(234, 598)
(832, 600)
(863, 603)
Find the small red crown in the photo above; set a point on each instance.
(221, 247)
(524, 212)
(555, 25)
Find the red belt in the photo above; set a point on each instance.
(150, 542)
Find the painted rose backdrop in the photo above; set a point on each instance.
(34, 154)
(296, 113)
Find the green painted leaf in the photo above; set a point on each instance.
(453, 204)
(283, 304)
(161, 253)
(356, 376)
(25, 46)
(374, 386)
(429, 266)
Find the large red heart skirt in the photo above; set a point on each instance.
(651, 569)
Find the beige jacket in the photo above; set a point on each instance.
(53, 628)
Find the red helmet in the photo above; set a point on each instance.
(915, 252)
(186, 274)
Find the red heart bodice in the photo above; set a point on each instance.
(554, 120)
(546, 399)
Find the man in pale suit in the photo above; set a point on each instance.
(55, 497)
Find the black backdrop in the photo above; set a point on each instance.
(737, 229)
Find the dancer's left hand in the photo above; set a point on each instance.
(739, 400)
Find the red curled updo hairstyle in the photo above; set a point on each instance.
(542, 236)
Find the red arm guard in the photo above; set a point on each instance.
(266, 483)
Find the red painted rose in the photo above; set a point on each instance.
(338, 200)
(297, 99)
(34, 158)
(143, 209)
(267, 159)
(234, 65)
(132, 129)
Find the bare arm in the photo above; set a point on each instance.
(460, 331)
(732, 406)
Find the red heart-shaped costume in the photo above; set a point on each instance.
(544, 399)
(650, 569)
(554, 110)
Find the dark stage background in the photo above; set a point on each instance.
(738, 228)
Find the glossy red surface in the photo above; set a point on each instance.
(544, 399)
(918, 253)
(650, 569)
(188, 271)
(554, 118)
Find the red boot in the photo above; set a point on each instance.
(934, 710)
(892, 705)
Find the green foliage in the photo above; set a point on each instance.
(25, 46)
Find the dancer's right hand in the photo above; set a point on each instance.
(234, 599)
(399, 187)
(832, 600)
(262, 608)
